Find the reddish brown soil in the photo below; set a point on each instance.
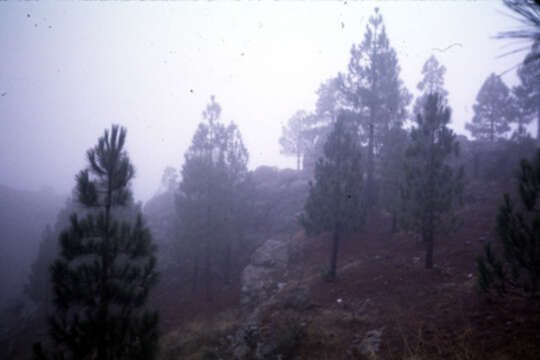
(437, 311)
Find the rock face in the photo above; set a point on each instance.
(368, 347)
(267, 269)
(274, 328)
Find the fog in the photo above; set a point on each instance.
(69, 70)
(269, 180)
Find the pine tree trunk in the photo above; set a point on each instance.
(538, 122)
(369, 184)
(103, 312)
(394, 222)
(476, 164)
(333, 255)
(208, 275)
(428, 240)
(195, 278)
(227, 272)
(429, 251)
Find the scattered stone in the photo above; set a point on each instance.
(371, 343)
(297, 299)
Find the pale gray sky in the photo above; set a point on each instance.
(68, 70)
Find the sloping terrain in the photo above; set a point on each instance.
(385, 304)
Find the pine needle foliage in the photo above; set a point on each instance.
(106, 268)
(517, 272)
(432, 188)
(335, 201)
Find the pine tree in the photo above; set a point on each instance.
(432, 188)
(209, 201)
(330, 101)
(432, 82)
(106, 267)
(375, 92)
(334, 203)
(518, 230)
(494, 110)
(293, 137)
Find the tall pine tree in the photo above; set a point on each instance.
(106, 268)
(432, 188)
(432, 82)
(334, 203)
(375, 92)
(210, 204)
(293, 138)
(494, 110)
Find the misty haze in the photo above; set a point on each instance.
(270, 180)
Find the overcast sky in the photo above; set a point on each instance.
(68, 70)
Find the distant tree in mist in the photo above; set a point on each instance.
(518, 231)
(374, 91)
(335, 202)
(494, 110)
(330, 101)
(395, 140)
(169, 179)
(432, 82)
(293, 139)
(210, 199)
(432, 187)
(106, 268)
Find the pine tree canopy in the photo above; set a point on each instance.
(211, 200)
(335, 200)
(432, 187)
(517, 229)
(106, 268)
(335, 197)
(494, 110)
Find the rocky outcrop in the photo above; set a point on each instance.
(275, 327)
(266, 270)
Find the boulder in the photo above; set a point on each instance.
(265, 271)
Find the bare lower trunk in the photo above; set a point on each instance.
(333, 256)
(369, 185)
(208, 275)
(538, 122)
(428, 240)
(194, 280)
(227, 272)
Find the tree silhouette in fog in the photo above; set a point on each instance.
(432, 187)
(335, 201)
(106, 268)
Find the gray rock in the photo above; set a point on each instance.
(297, 299)
(266, 270)
(371, 343)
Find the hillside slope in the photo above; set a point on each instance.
(385, 304)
